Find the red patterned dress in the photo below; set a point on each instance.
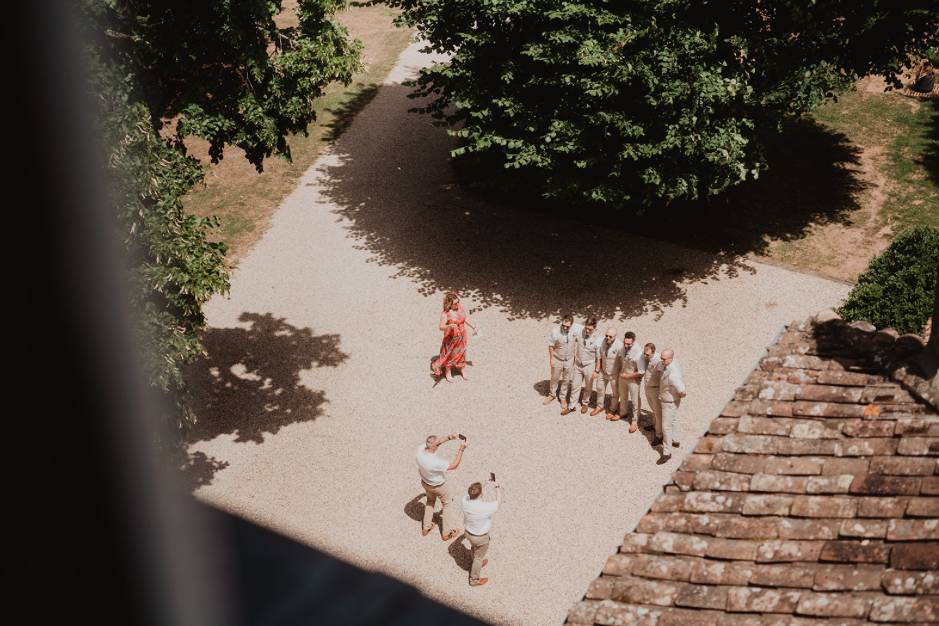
(453, 346)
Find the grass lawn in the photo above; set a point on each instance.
(840, 185)
(907, 129)
(896, 142)
(244, 200)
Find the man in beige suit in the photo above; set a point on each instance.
(631, 370)
(586, 365)
(610, 358)
(653, 368)
(671, 391)
(561, 343)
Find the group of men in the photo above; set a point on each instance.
(477, 512)
(581, 360)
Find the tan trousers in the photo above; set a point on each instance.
(655, 405)
(607, 382)
(480, 546)
(629, 399)
(442, 492)
(562, 371)
(583, 380)
(669, 415)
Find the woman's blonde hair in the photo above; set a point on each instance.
(448, 300)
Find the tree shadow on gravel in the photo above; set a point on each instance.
(344, 112)
(812, 179)
(394, 184)
(199, 469)
(401, 200)
(249, 383)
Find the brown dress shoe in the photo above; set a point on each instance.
(479, 583)
(566, 411)
(596, 411)
(613, 417)
(426, 532)
(549, 400)
(453, 533)
(583, 408)
(633, 428)
(564, 405)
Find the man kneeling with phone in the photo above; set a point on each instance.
(477, 522)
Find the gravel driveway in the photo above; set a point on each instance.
(317, 389)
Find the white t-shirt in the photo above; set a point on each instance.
(431, 467)
(477, 515)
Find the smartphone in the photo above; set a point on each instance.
(492, 476)
(461, 436)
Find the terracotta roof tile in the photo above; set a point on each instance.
(812, 499)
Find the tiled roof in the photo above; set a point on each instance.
(813, 498)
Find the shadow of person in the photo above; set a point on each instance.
(462, 556)
(431, 372)
(647, 426)
(415, 510)
(647, 420)
(415, 507)
(542, 387)
(248, 384)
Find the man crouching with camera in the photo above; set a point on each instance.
(477, 520)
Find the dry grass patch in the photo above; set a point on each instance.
(897, 140)
(245, 200)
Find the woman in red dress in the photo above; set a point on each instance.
(453, 323)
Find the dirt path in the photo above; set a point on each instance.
(842, 249)
(317, 389)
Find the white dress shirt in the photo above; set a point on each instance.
(671, 383)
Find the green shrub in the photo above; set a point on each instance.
(628, 104)
(897, 290)
(932, 55)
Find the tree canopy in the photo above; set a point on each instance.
(632, 103)
(162, 70)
